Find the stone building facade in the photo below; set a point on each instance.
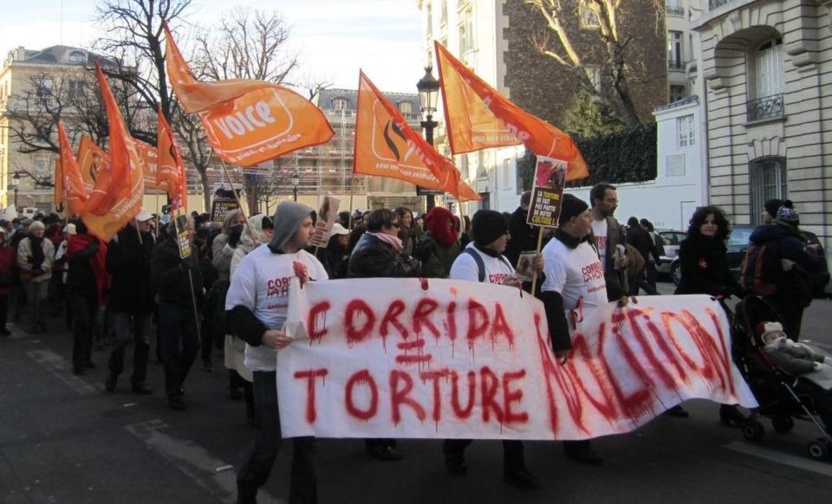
(767, 69)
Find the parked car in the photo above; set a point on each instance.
(671, 240)
(737, 246)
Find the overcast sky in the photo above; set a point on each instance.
(335, 38)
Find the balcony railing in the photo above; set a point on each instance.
(675, 10)
(768, 107)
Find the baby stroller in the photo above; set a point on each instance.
(781, 397)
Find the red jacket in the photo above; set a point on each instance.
(7, 262)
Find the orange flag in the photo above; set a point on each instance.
(119, 187)
(69, 186)
(386, 146)
(477, 117)
(246, 121)
(91, 160)
(171, 173)
(150, 162)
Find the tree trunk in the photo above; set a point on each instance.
(206, 191)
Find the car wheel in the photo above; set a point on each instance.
(676, 273)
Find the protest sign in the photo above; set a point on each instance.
(418, 358)
(549, 179)
(183, 231)
(327, 216)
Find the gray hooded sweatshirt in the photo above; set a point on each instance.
(287, 220)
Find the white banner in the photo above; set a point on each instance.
(417, 358)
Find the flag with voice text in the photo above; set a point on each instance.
(119, 186)
(150, 163)
(68, 184)
(478, 117)
(246, 121)
(170, 174)
(386, 146)
(91, 160)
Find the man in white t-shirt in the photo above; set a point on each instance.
(609, 238)
(573, 280)
(483, 261)
(256, 308)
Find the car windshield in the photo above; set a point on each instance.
(740, 236)
(672, 238)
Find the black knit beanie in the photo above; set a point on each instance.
(487, 226)
(570, 206)
(772, 206)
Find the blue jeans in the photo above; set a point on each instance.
(120, 329)
(264, 448)
(179, 342)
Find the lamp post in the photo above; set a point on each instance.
(14, 186)
(428, 88)
(295, 182)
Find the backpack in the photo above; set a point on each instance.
(481, 263)
(761, 268)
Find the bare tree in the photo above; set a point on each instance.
(195, 147)
(603, 17)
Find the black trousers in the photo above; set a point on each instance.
(263, 450)
(85, 307)
(179, 341)
(513, 458)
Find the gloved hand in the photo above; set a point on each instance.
(235, 235)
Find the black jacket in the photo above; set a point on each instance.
(171, 281)
(704, 265)
(373, 258)
(128, 263)
(523, 236)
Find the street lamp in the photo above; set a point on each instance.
(428, 88)
(14, 186)
(295, 182)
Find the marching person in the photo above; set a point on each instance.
(609, 236)
(131, 300)
(256, 310)
(178, 286)
(378, 254)
(34, 260)
(574, 278)
(483, 261)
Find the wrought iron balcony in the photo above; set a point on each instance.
(768, 107)
(715, 4)
(675, 10)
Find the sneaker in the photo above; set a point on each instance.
(141, 388)
(455, 461)
(677, 411)
(384, 452)
(110, 382)
(731, 416)
(522, 478)
(176, 403)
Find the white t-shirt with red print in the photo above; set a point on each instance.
(465, 268)
(600, 230)
(261, 284)
(574, 274)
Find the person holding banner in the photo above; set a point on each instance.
(378, 254)
(256, 307)
(177, 282)
(574, 281)
(483, 261)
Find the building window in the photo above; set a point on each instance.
(769, 82)
(406, 108)
(676, 93)
(589, 19)
(429, 13)
(686, 129)
(466, 31)
(674, 49)
(443, 14)
(75, 90)
(77, 57)
(674, 8)
(43, 90)
(339, 104)
(507, 170)
(768, 181)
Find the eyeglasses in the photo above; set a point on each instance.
(395, 224)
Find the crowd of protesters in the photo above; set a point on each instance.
(207, 303)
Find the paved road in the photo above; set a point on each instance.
(64, 440)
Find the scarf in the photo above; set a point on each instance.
(76, 244)
(36, 244)
(391, 240)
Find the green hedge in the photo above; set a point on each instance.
(629, 156)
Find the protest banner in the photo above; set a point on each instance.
(549, 179)
(418, 358)
(327, 216)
